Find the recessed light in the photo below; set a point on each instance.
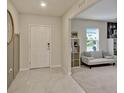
(43, 4)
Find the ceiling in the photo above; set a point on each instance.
(54, 8)
(105, 10)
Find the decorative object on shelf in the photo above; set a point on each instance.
(111, 30)
(74, 35)
(76, 44)
(10, 28)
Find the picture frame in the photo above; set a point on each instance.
(111, 30)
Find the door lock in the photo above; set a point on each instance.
(48, 46)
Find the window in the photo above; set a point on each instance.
(92, 43)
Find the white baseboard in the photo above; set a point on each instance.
(24, 69)
(54, 66)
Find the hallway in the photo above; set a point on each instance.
(44, 80)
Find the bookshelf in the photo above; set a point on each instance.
(112, 46)
(75, 53)
(112, 37)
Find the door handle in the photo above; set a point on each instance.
(48, 44)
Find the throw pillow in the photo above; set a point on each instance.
(105, 54)
(90, 58)
(97, 54)
(87, 54)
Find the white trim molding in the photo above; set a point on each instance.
(24, 69)
(55, 66)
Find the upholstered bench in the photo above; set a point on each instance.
(97, 58)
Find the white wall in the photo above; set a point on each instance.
(14, 14)
(77, 8)
(80, 26)
(25, 21)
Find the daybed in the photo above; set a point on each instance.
(97, 58)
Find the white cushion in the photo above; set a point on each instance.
(87, 54)
(97, 54)
(105, 54)
(90, 58)
(100, 61)
(108, 57)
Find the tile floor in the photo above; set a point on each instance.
(44, 80)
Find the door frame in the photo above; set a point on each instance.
(29, 42)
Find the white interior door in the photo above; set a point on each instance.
(40, 48)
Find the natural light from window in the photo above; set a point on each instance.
(92, 43)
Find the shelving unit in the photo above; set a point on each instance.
(112, 46)
(75, 53)
(112, 37)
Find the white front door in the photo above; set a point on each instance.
(40, 46)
